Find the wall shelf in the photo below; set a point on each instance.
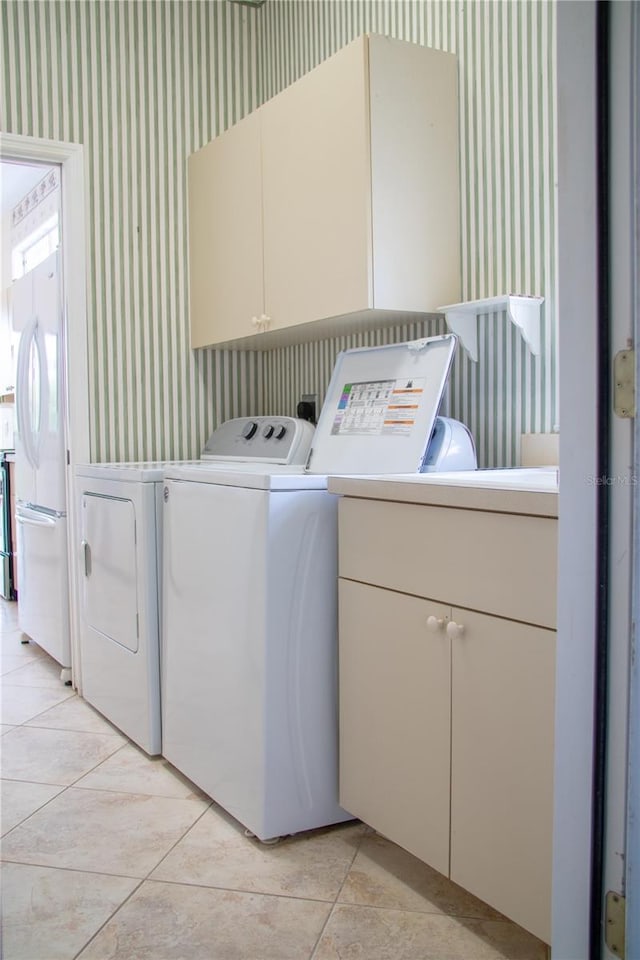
(524, 312)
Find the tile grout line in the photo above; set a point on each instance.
(314, 949)
(88, 870)
(138, 882)
(179, 840)
(109, 918)
(41, 807)
(65, 787)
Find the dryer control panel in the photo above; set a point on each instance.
(284, 440)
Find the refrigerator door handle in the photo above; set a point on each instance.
(32, 336)
(35, 519)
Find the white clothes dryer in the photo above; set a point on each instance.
(121, 517)
(120, 508)
(249, 689)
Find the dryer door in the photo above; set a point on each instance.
(110, 593)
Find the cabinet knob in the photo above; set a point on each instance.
(261, 322)
(454, 630)
(434, 624)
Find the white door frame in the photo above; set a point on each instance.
(577, 572)
(70, 157)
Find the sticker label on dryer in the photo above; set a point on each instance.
(378, 408)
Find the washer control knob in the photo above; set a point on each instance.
(280, 432)
(268, 431)
(249, 429)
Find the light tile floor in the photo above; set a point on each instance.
(109, 854)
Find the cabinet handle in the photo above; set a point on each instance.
(434, 624)
(255, 322)
(455, 630)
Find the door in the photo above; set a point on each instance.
(40, 441)
(110, 583)
(118, 586)
(225, 235)
(395, 686)
(502, 769)
(47, 301)
(28, 411)
(315, 152)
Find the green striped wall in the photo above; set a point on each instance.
(506, 55)
(143, 84)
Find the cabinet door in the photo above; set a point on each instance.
(414, 172)
(394, 681)
(317, 192)
(225, 235)
(502, 765)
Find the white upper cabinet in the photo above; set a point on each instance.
(225, 234)
(336, 203)
(316, 194)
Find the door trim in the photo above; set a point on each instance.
(577, 517)
(71, 158)
(632, 859)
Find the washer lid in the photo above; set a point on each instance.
(253, 476)
(144, 471)
(380, 408)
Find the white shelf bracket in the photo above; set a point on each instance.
(465, 326)
(524, 312)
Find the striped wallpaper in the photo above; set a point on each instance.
(506, 54)
(142, 84)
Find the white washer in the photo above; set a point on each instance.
(121, 601)
(250, 594)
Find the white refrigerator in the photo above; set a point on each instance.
(43, 588)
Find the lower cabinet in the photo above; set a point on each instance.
(446, 741)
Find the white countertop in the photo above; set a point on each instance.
(530, 490)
